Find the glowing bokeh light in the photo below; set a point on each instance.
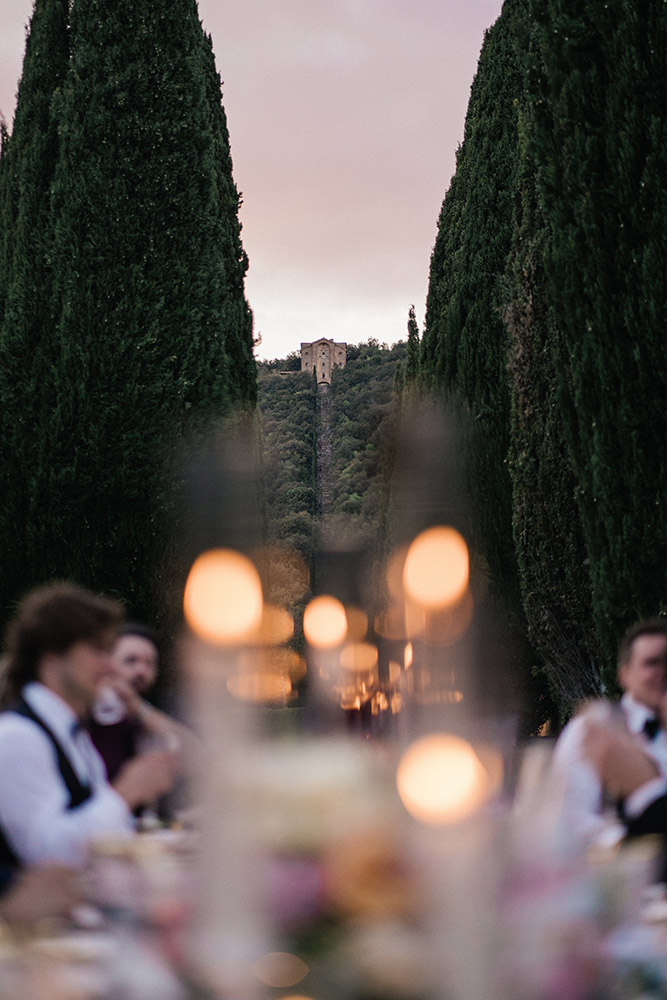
(437, 568)
(357, 623)
(394, 572)
(441, 779)
(359, 657)
(222, 601)
(446, 625)
(260, 687)
(276, 626)
(325, 622)
(280, 969)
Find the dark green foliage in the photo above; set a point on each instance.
(288, 407)
(464, 346)
(412, 357)
(577, 195)
(598, 95)
(292, 363)
(27, 166)
(361, 414)
(235, 312)
(143, 334)
(551, 554)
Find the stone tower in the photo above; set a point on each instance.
(322, 356)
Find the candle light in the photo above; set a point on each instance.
(436, 569)
(223, 606)
(443, 783)
(223, 597)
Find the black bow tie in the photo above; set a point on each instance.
(652, 727)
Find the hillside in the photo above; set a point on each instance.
(359, 406)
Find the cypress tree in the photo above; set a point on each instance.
(598, 97)
(148, 310)
(548, 536)
(27, 167)
(412, 357)
(236, 315)
(28, 160)
(464, 345)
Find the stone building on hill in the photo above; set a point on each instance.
(322, 356)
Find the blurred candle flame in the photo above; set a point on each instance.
(259, 686)
(275, 627)
(266, 674)
(359, 657)
(222, 601)
(357, 623)
(325, 622)
(441, 779)
(436, 569)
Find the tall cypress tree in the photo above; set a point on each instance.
(147, 299)
(412, 357)
(27, 167)
(237, 317)
(598, 97)
(464, 344)
(548, 535)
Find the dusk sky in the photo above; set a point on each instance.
(344, 121)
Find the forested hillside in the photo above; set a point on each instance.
(362, 423)
(361, 415)
(288, 408)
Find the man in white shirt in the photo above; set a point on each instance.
(642, 675)
(54, 794)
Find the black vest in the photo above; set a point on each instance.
(78, 791)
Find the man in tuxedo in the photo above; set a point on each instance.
(631, 777)
(585, 808)
(54, 792)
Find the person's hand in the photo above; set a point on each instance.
(147, 777)
(619, 761)
(39, 893)
(127, 694)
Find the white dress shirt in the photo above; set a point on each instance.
(33, 796)
(584, 817)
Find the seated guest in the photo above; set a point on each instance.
(122, 721)
(54, 793)
(642, 676)
(630, 776)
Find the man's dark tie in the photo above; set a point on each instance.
(651, 727)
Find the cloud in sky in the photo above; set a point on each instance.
(344, 121)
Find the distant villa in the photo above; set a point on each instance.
(321, 357)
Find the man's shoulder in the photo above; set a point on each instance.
(571, 738)
(17, 727)
(569, 744)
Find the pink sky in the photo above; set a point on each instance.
(344, 120)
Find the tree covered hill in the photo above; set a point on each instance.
(361, 424)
